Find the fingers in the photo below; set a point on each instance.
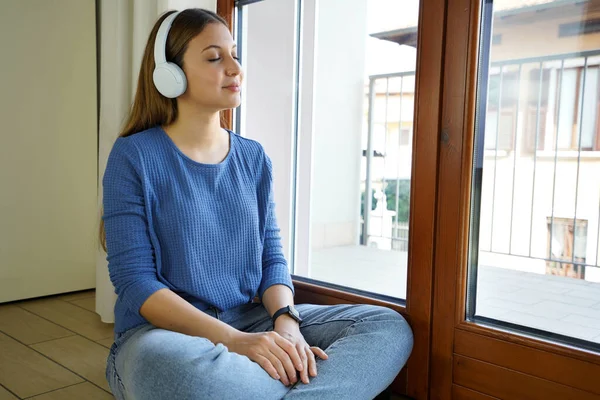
(319, 353)
(266, 364)
(286, 364)
(271, 357)
(278, 365)
(304, 372)
(286, 356)
(312, 363)
(287, 373)
(291, 350)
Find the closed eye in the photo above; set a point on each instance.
(219, 58)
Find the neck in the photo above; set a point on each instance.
(196, 128)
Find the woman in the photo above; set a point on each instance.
(192, 240)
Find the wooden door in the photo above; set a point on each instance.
(502, 327)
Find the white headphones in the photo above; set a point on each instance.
(168, 78)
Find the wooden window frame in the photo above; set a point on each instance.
(471, 360)
(414, 379)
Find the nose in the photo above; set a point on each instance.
(234, 68)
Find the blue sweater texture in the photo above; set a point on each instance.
(207, 232)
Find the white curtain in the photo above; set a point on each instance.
(124, 29)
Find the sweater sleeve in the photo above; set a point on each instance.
(130, 254)
(274, 265)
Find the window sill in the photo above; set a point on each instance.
(318, 292)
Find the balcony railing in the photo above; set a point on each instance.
(540, 191)
(390, 102)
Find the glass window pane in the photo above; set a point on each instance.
(337, 119)
(266, 40)
(537, 204)
(363, 94)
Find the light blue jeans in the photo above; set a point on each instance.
(367, 347)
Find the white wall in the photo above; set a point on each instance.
(48, 148)
(338, 121)
(302, 262)
(268, 94)
(331, 104)
(181, 4)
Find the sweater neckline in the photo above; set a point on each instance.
(221, 164)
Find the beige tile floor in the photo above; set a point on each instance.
(54, 348)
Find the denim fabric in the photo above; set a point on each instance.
(367, 347)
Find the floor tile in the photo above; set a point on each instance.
(574, 300)
(77, 295)
(551, 325)
(591, 293)
(28, 328)
(80, 391)
(70, 316)
(6, 395)
(486, 310)
(80, 355)
(551, 309)
(88, 303)
(589, 312)
(583, 321)
(27, 373)
(106, 342)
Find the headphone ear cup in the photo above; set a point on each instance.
(169, 80)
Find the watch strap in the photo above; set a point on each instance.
(281, 311)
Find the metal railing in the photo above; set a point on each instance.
(399, 230)
(554, 65)
(558, 63)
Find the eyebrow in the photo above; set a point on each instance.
(214, 46)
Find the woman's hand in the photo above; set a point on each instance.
(289, 330)
(276, 355)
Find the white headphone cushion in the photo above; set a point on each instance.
(169, 80)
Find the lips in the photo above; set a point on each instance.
(233, 88)
(234, 84)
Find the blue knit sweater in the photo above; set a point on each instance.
(208, 232)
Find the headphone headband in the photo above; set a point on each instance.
(160, 43)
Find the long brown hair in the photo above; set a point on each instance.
(149, 107)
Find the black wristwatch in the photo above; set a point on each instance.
(290, 310)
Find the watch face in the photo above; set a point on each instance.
(294, 312)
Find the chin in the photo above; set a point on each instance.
(215, 101)
(226, 105)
